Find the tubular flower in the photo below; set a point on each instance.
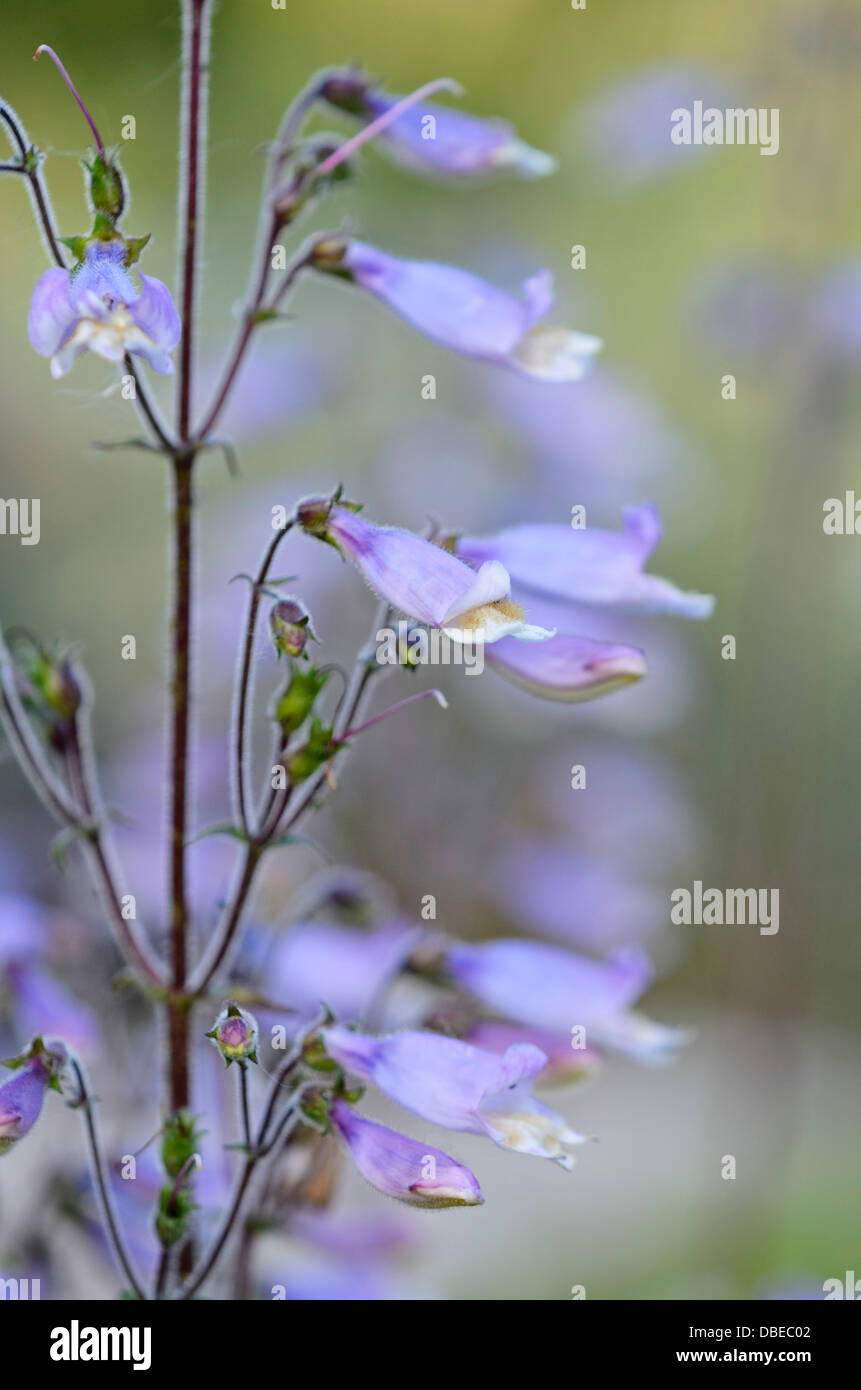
(461, 1087)
(600, 569)
(440, 139)
(22, 1095)
(402, 1168)
(466, 314)
(568, 669)
(550, 988)
(423, 580)
(97, 308)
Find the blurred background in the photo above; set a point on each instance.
(700, 262)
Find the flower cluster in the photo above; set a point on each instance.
(504, 1015)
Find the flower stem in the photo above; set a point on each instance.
(244, 684)
(31, 168)
(180, 700)
(85, 1102)
(196, 17)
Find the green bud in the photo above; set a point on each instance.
(180, 1141)
(172, 1215)
(317, 751)
(298, 699)
(235, 1034)
(107, 191)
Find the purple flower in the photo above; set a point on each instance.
(97, 307)
(21, 1097)
(400, 1167)
(423, 580)
(466, 314)
(602, 569)
(546, 987)
(345, 968)
(564, 1062)
(439, 139)
(567, 669)
(458, 1086)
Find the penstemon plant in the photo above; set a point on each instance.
(526, 1012)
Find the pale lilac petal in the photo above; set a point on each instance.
(538, 293)
(547, 987)
(415, 576)
(102, 278)
(155, 312)
(455, 308)
(564, 1062)
(52, 315)
(589, 566)
(402, 1168)
(566, 669)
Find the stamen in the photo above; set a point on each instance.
(46, 48)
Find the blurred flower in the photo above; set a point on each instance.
(626, 130)
(98, 308)
(466, 314)
(439, 139)
(837, 309)
(589, 566)
(402, 1168)
(458, 1086)
(39, 1003)
(345, 968)
(549, 988)
(572, 896)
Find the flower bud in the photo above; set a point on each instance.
(180, 1142)
(328, 255)
(297, 701)
(347, 91)
(175, 1206)
(56, 683)
(107, 191)
(235, 1034)
(289, 624)
(318, 750)
(21, 1096)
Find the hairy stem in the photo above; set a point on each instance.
(244, 686)
(196, 18)
(179, 759)
(85, 1102)
(32, 170)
